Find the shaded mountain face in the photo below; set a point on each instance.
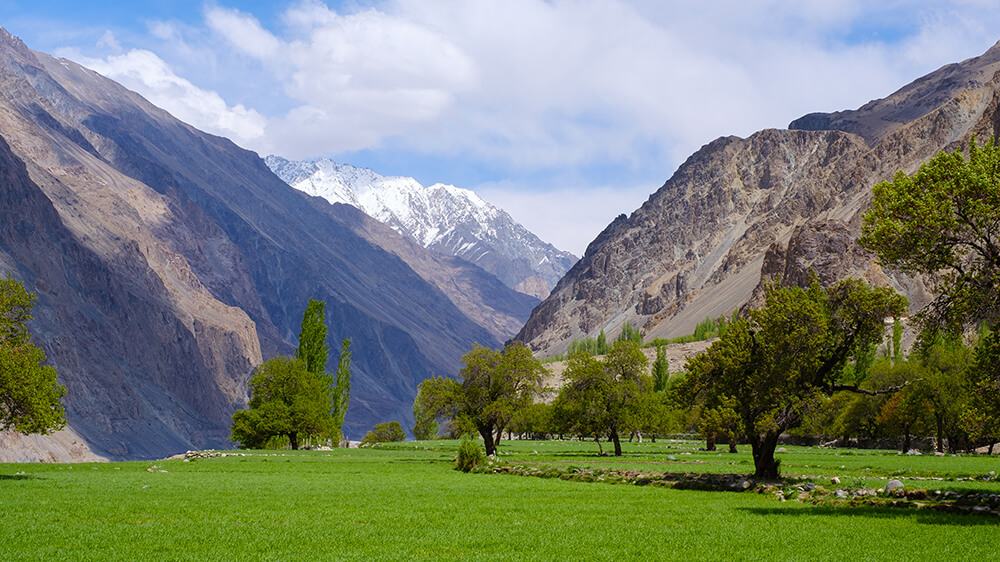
(169, 262)
(779, 203)
(443, 218)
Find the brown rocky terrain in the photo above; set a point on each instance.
(781, 202)
(168, 263)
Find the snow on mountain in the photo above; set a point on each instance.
(441, 217)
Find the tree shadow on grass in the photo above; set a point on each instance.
(17, 477)
(925, 516)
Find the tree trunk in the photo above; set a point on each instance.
(293, 439)
(732, 445)
(762, 448)
(618, 444)
(709, 440)
(600, 449)
(488, 444)
(906, 441)
(940, 433)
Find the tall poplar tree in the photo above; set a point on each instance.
(341, 389)
(312, 338)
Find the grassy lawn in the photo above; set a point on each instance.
(405, 502)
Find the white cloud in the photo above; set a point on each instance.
(146, 73)
(568, 218)
(360, 78)
(108, 41)
(542, 88)
(244, 31)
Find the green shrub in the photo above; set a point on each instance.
(470, 455)
(384, 433)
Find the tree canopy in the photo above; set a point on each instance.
(945, 220)
(286, 400)
(312, 337)
(29, 393)
(341, 392)
(608, 397)
(775, 363)
(384, 433)
(293, 397)
(492, 387)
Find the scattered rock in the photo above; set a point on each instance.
(893, 485)
(835, 481)
(781, 450)
(841, 494)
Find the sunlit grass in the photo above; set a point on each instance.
(406, 502)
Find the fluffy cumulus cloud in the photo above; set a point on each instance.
(526, 88)
(359, 78)
(146, 73)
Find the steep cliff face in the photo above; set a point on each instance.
(170, 262)
(498, 308)
(779, 202)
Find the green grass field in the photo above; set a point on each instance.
(405, 502)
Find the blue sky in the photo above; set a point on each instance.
(564, 112)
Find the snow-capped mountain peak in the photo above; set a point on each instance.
(441, 217)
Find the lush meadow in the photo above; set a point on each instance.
(404, 501)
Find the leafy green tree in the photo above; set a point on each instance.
(426, 415)
(384, 433)
(535, 421)
(981, 418)
(29, 393)
(314, 351)
(906, 413)
(944, 387)
(661, 369)
(777, 363)
(606, 397)
(718, 422)
(312, 337)
(897, 339)
(341, 391)
(629, 333)
(943, 220)
(602, 343)
(437, 400)
(492, 387)
(286, 399)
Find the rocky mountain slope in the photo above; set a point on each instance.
(169, 262)
(443, 218)
(780, 202)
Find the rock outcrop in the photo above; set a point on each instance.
(780, 202)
